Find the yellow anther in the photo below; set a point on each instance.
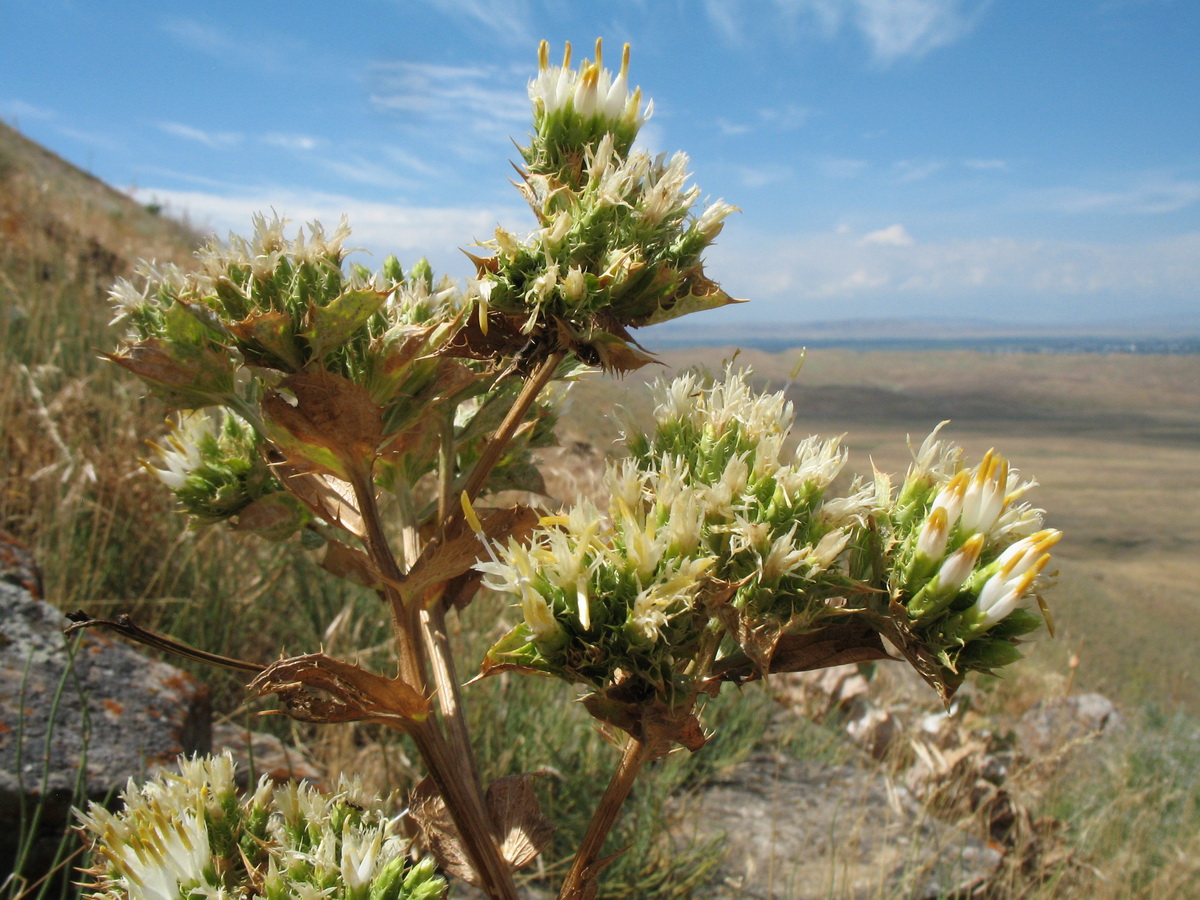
(544, 55)
(471, 517)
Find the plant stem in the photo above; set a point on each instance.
(584, 870)
(405, 616)
(466, 808)
(452, 771)
(445, 679)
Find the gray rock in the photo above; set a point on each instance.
(1058, 724)
(798, 829)
(82, 724)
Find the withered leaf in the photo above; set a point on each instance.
(520, 828)
(269, 337)
(275, 516)
(185, 375)
(439, 832)
(317, 688)
(894, 626)
(648, 719)
(831, 643)
(523, 829)
(327, 496)
(334, 427)
(351, 564)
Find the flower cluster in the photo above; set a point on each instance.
(618, 244)
(721, 540)
(211, 460)
(713, 525)
(967, 557)
(314, 365)
(574, 109)
(192, 835)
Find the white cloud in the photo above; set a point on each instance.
(508, 20)
(842, 168)
(839, 273)
(260, 52)
(725, 17)
(985, 165)
(892, 236)
(892, 29)
(1148, 195)
(732, 129)
(911, 28)
(909, 170)
(216, 140)
(381, 228)
(761, 176)
(295, 142)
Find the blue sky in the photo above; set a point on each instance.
(1022, 161)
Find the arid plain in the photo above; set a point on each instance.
(1112, 440)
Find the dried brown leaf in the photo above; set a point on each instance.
(452, 557)
(351, 564)
(439, 832)
(334, 427)
(518, 819)
(520, 828)
(318, 688)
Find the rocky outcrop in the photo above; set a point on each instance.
(801, 829)
(79, 723)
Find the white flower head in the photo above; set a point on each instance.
(184, 448)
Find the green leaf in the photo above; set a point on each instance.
(331, 326)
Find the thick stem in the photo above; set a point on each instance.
(451, 772)
(445, 679)
(406, 621)
(466, 807)
(583, 868)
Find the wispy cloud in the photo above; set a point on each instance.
(508, 20)
(1150, 194)
(892, 29)
(895, 29)
(842, 168)
(216, 140)
(909, 170)
(785, 118)
(19, 109)
(762, 176)
(985, 165)
(446, 102)
(892, 236)
(271, 52)
(301, 143)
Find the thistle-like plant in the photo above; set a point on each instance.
(313, 395)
